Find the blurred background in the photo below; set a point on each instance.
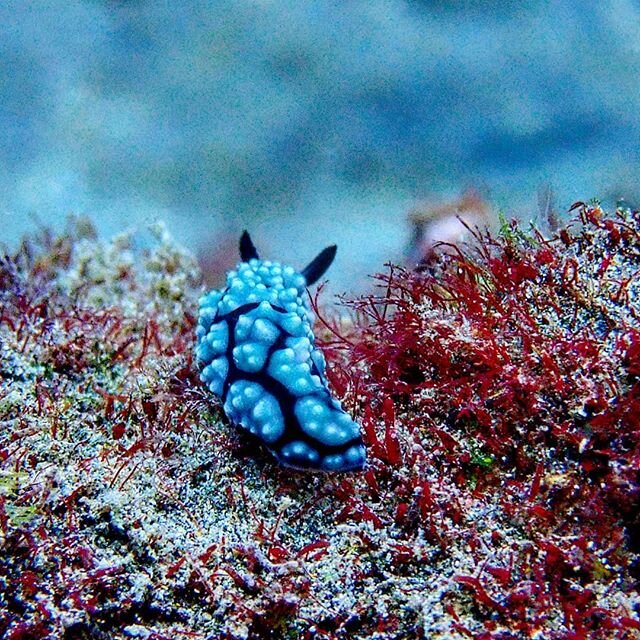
(313, 122)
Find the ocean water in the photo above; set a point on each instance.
(310, 123)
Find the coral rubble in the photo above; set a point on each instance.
(498, 390)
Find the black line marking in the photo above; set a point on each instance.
(286, 400)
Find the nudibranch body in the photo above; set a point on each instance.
(256, 350)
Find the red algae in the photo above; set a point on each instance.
(498, 389)
(512, 364)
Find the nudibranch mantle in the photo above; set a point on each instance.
(256, 350)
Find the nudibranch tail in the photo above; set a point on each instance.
(256, 350)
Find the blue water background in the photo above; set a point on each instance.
(310, 122)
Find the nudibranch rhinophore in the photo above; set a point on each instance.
(256, 350)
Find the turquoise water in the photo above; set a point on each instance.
(310, 122)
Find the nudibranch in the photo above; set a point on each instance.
(256, 350)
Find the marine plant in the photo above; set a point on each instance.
(498, 391)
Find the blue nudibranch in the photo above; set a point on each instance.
(256, 350)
